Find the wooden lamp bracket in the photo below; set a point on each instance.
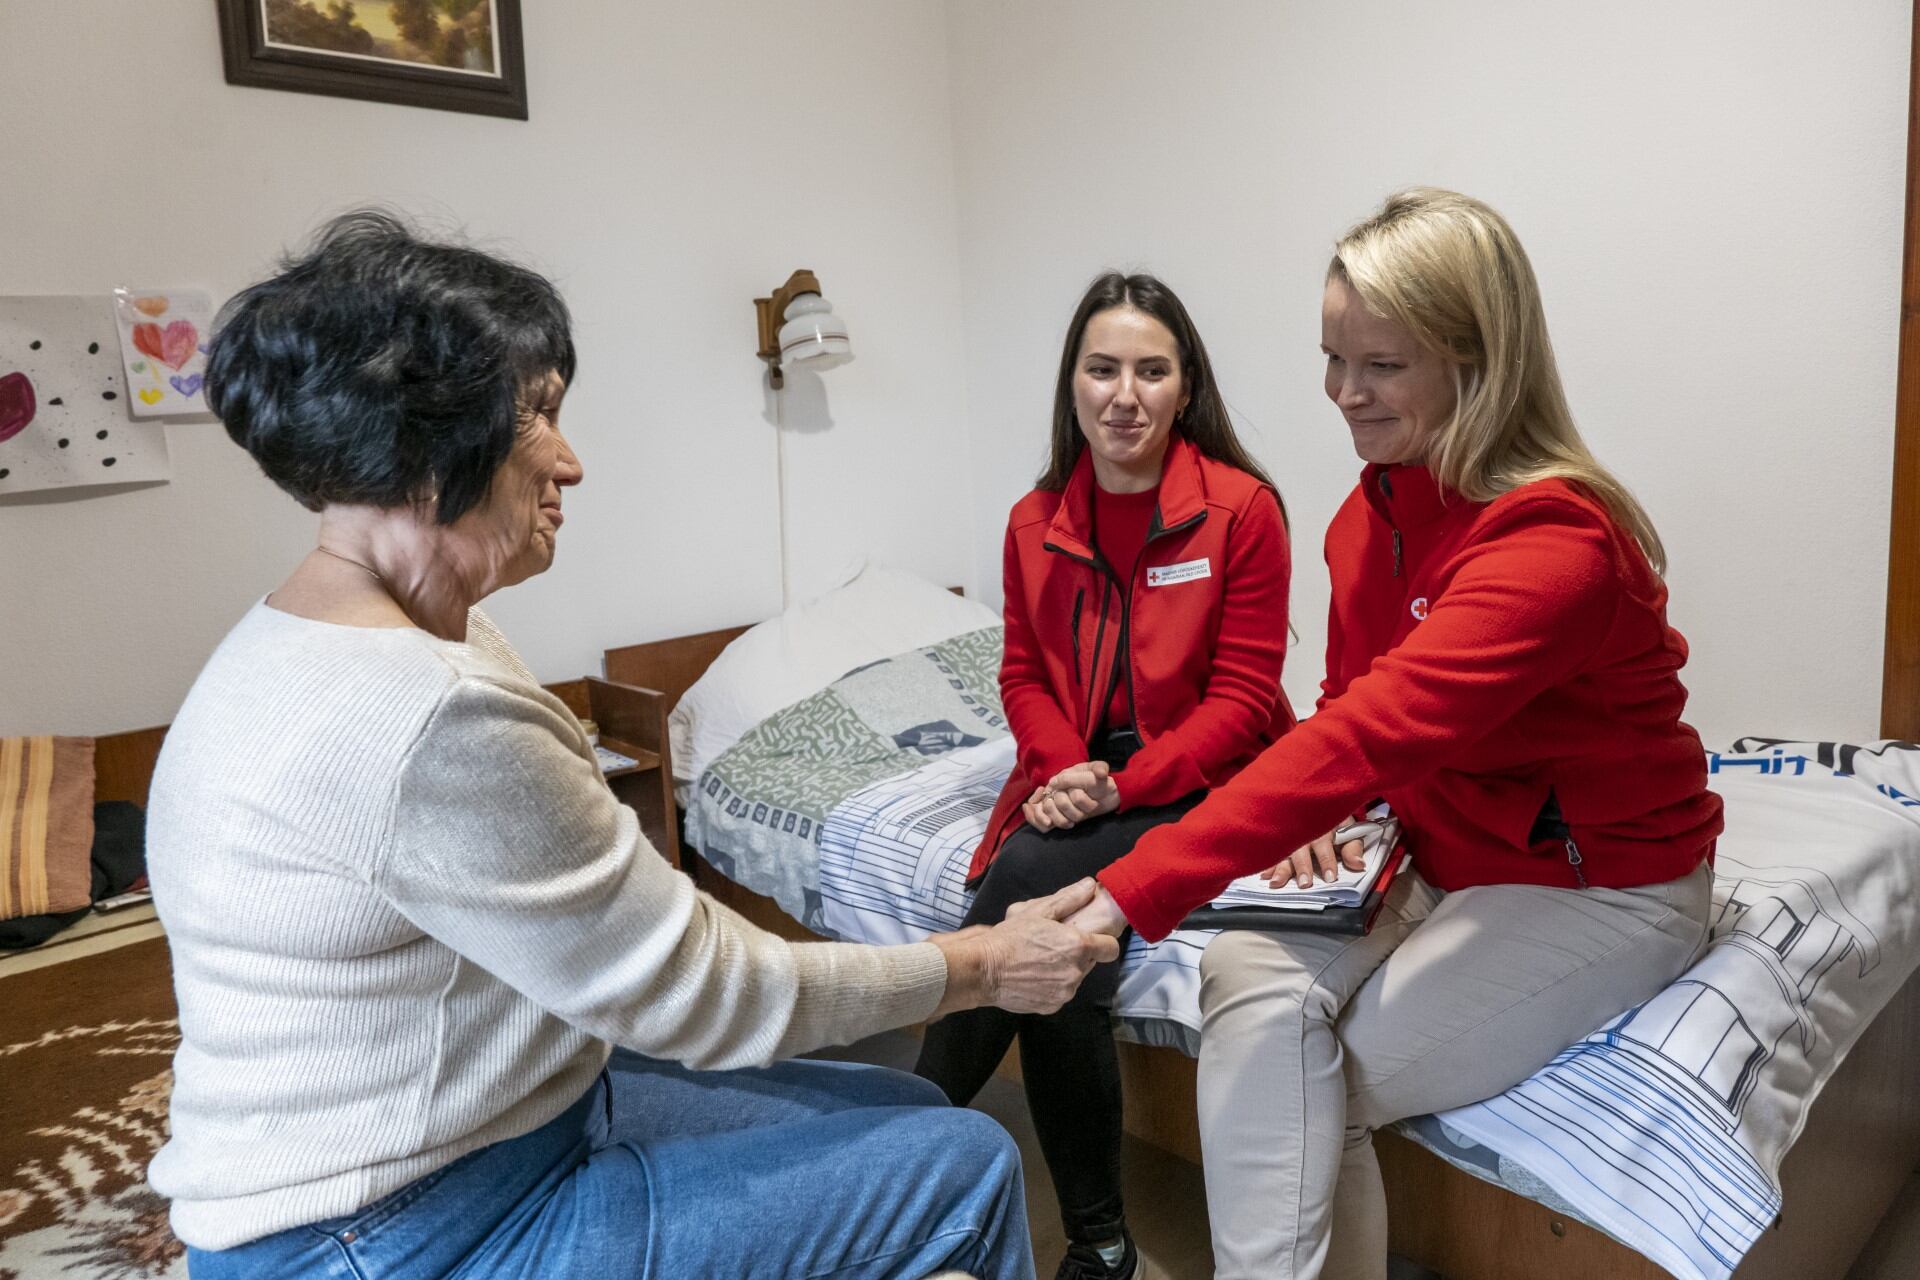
(772, 313)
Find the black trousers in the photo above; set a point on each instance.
(1067, 1058)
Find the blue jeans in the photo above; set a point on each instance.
(801, 1169)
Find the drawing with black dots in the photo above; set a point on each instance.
(63, 405)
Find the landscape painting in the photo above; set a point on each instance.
(455, 34)
(456, 55)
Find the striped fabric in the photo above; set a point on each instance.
(46, 825)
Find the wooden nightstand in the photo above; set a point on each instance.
(633, 722)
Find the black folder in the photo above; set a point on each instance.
(1351, 921)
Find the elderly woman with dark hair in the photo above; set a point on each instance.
(408, 919)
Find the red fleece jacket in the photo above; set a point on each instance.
(1482, 659)
(1191, 635)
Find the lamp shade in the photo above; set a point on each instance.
(813, 335)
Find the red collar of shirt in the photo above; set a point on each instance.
(1182, 497)
(1406, 497)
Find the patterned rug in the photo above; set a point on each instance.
(85, 1053)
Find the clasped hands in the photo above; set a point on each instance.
(1033, 961)
(1076, 793)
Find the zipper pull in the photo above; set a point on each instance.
(1575, 861)
(1396, 553)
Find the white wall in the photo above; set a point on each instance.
(1711, 194)
(680, 159)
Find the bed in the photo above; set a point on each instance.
(1653, 1147)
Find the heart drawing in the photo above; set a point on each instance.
(172, 346)
(187, 386)
(16, 405)
(152, 395)
(151, 306)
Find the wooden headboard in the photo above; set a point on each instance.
(670, 665)
(123, 764)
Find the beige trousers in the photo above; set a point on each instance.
(1311, 1041)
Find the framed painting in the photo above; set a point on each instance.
(456, 55)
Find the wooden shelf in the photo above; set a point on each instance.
(633, 722)
(643, 760)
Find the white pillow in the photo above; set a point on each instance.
(880, 613)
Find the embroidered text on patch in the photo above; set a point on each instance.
(1161, 575)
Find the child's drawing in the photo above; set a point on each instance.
(163, 344)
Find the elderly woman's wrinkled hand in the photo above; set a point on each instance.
(1035, 964)
(1028, 963)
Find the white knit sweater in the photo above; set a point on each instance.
(407, 915)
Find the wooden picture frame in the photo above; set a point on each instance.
(310, 46)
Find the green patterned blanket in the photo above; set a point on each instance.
(757, 811)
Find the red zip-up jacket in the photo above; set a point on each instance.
(1194, 632)
(1483, 659)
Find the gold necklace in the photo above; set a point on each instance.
(370, 572)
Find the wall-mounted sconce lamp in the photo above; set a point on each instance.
(797, 326)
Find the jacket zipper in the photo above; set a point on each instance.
(1079, 599)
(1122, 650)
(1099, 637)
(1386, 488)
(1577, 862)
(1100, 566)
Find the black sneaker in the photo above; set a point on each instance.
(1083, 1262)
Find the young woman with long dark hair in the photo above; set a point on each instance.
(1146, 622)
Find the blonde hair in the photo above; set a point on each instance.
(1451, 271)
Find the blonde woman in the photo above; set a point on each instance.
(1499, 668)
